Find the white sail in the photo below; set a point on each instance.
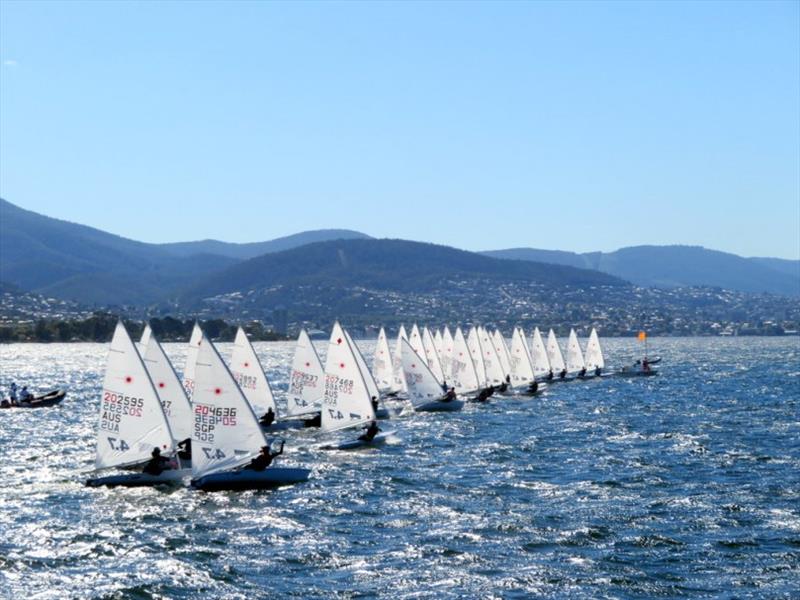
(438, 343)
(431, 355)
(372, 386)
(421, 384)
(131, 421)
(501, 348)
(146, 335)
(463, 376)
(574, 354)
(554, 353)
(176, 405)
(226, 432)
(594, 353)
(521, 364)
(447, 351)
(249, 375)
(491, 362)
(541, 364)
(191, 359)
(397, 362)
(382, 364)
(476, 352)
(346, 402)
(307, 381)
(415, 339)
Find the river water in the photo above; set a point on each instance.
(681, 485)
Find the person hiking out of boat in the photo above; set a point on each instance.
(502, 387)
(185, 449)
(268, 418)
(25, 395)
(562, 374)
(484, 395)
(264, 458)
(549, 376)
(157, 463)
(12, 394)
(582, 372)
(597, 371)
(370, 432)
(533, 387)
(450, 395)
(645, 365)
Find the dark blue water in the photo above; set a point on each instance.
(683, 485)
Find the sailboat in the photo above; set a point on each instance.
(495, 377)
(226, 434)
(347, 402)
(369, 380)
(541, 364)
(397, 364)
(463, 376)
(424, 391)
(432, 356)
(382, 366)
(176, 405)
(575, 362)
(555, 357)
(191, 359)
(131, 423)
(249, 374)
(522, 372)
(501, 349)
(306, 383)
(595, 363)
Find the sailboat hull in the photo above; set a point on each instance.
(251, 480)
(378, 440)
(168, 477)
(439, 406)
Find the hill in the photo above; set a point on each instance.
(253, 249)
(677, 266)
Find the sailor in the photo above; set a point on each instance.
(645, 365)
(185, 449)
(508, 379)
(597, 371)
(268, 418)
(582, 372)
(370, 432)
(25, 395)
(502, 387)
(264, 458)
(157, 463)
(533, 387)
(374, 401)
(484, 395)
(450, 395)
(315, 421)
(549, 376)
(12, 394)
(562, 374)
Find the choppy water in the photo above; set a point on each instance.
(687, 484)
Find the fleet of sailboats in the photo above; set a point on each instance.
(155, 428)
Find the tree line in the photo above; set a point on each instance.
(100, 328)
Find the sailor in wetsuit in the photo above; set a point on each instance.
(374, 401)
(264, 458)
(533, 387)
(450, 395)
(185, 449)
(370, 432)
(562, 374)
(549, 376)
(597, 371)
(268, 418)
(157, 463)
(582, 372)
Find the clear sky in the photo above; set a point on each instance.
(566, 125)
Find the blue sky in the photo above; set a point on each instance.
(567, 125)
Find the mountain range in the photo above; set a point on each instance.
(71, 261)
